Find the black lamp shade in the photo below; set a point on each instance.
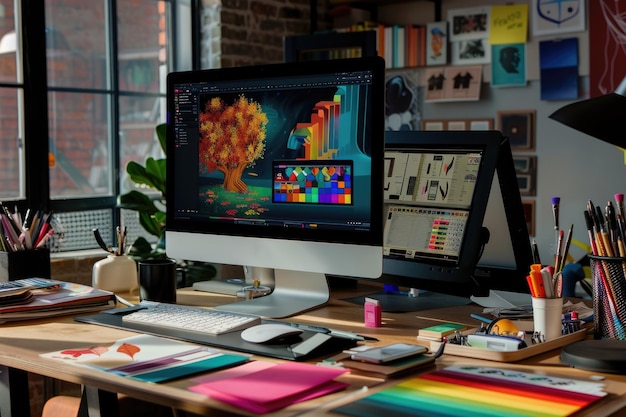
(600, 117)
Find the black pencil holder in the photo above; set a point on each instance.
(609, 297)
(24, 264)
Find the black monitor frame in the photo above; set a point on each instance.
(469, 277)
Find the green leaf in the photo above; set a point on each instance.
(155, 171)
(161, 131)
(151, 226)
(134, 200)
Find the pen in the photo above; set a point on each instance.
(309, 327)
(556, 203)
(536, 258)
(559, 247)
(353, 336)
(568, 241)
(589, 225)
(619, 201)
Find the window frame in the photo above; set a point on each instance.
(35, 91)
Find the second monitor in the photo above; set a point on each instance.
(454, 222)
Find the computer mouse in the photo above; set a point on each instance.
(266, 333)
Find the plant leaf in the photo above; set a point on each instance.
(134, 200)
(162, 135)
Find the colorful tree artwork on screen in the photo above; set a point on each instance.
(232, 138)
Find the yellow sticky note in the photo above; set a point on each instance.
(509, 24)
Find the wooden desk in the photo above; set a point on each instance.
(21, 344)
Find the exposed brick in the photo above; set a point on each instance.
(265, 23)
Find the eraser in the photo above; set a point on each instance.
(372, 312)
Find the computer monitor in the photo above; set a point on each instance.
(454, 223)
(278, 166)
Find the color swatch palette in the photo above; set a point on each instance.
(313, 182)
(479, 391)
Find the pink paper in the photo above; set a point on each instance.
(274, 387)
(260, 408)
(237, 371)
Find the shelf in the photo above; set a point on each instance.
(371, 5)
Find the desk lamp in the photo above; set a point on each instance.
(602, 118)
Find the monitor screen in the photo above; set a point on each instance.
(437, 236)
(278, 166)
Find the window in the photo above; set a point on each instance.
(103, 94)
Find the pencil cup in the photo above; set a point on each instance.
(547, 313)
(157, 280)
(609, 296)
(24, 264)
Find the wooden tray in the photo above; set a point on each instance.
(513, 356)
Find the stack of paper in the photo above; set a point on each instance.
(58, 298)
(261, 387)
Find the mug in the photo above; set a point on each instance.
(157, 280)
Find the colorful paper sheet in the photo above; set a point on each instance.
(479, 391)
(509, 24)
(265, 389)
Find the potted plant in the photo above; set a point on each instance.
(151, 212)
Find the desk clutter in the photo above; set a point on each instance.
(33, 298)
(255, 386)
(505, 339)
(260, 387)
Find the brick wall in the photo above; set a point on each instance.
(252, 31)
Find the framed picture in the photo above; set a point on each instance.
(529, 213)
(453, 83)
(526, 170)
(525, 164)
(519, 127)
(472, 51)
(469, 23)
(458, 124)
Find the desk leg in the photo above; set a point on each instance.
(97, 403)
(14, 393)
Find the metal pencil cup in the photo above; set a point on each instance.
(609, 297)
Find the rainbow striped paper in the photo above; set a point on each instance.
(478, 391)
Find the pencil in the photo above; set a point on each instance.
(568, 241)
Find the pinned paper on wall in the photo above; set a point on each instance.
(558, 63)
(509, 24)
(557, 17)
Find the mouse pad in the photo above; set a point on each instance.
(314, 345)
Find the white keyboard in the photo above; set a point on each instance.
(173, 316)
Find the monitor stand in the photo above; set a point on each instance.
(233, 286)
(294, 292)
(503, 299)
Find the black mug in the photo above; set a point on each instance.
(157, 280)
